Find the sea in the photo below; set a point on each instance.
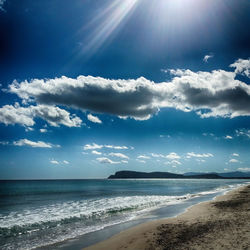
(72, 214)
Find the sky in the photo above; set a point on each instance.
(91, 87)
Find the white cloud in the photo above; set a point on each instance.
(33, 144)
(96, 152)
(115, 147)
(143, 157)
(243, 132)
(228, 137)
(4, 143)
(244, 169)
(233, 161)
(242, 67)
(200, 160)
(124, 161)
(54, 162)
(16, 115)
(1, 6)
(172, 156)
(235, 154)
(25, 116)
(208, 134)
(206, 57)
(56, 116)
(119, 155)
(173, 162)
(106, 160)
(165, 136)
(43, 130)
(92, 146)
(94, 119)
(141, 161)
(157, 155)
(97, 146)
(192, 154)
(28, 129)
(209, 94)
(65, 162)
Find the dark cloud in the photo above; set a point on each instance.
(215, 93)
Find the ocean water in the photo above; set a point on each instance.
(41, 213)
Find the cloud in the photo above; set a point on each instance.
(235, 154)
(166, 136)
(244, 169)
(105, 160)
(206, 57)
(94, 119)
(65, 162)
(141, 161)
(158, 155)
(33, 144)
(92, 146)
(233, 161)
(192, 154)
(228, 137)
(54, 162)
(208, 134)
(96, 146)
(242, 67)
(96, 152)
(55, 116)
(143, 157)
(4, 143)
(16, 115)
(174, 162)
(172, 156)
(1, 4)
(115, 147)
(200, 160)
(209, 94)
(43, 130)
(28, 129)
(243, 132)
(124, 161)
(119, 155)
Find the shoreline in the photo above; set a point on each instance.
(220, 223)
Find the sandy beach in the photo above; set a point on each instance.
(223, 223)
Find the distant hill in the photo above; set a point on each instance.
(235, 174)
(138, 175)
(154, 175)
(191, 175)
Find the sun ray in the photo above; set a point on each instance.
(107, 22)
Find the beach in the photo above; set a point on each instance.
(223, 223)
(74, 214)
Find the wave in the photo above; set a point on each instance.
(65, 220)
(72, 211)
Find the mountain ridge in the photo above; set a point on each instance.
(127, 174)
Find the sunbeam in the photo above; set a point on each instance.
(106, 23)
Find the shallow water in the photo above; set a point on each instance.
(39, 213)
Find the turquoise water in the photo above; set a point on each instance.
(38, 213)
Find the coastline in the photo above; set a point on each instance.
(222, 223)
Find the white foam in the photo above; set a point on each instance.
(95, 208)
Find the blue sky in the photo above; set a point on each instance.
(90, 87)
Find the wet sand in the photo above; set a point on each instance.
(223, 223)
